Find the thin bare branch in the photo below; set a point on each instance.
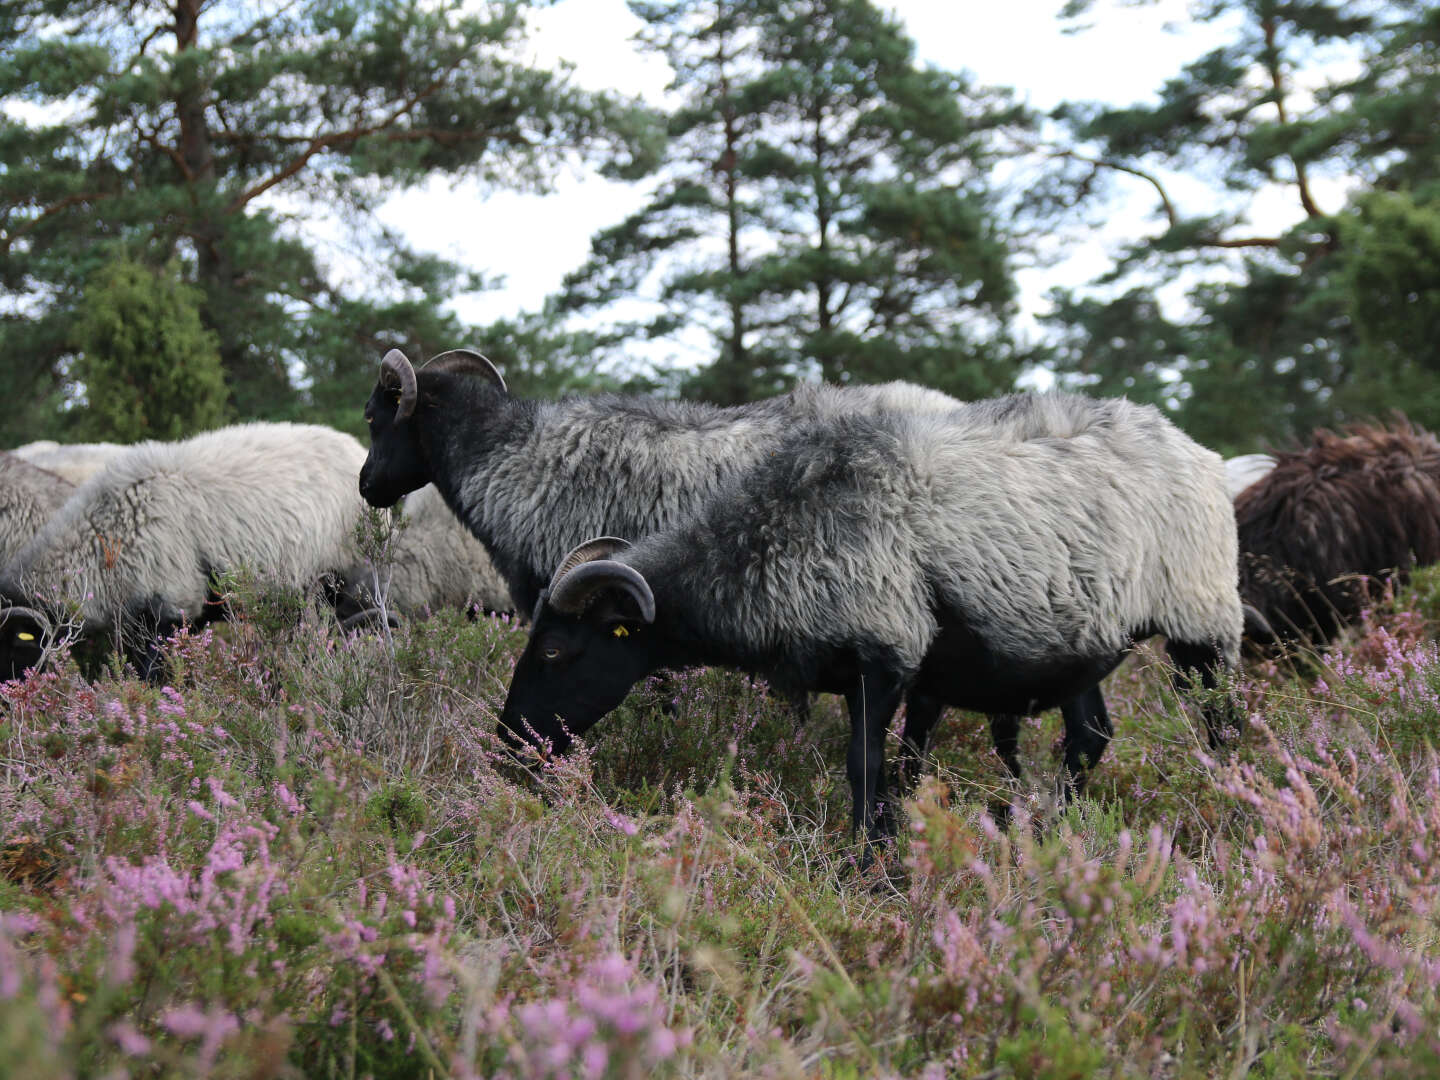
(339, 138)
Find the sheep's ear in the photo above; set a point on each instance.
(468, 362)
(575, 591)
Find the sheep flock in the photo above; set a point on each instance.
(885, 543)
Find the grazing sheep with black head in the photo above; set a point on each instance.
(533, 479)
(1330, 518)
(138, 547)
(1002, 558)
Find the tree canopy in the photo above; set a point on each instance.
(149, 368)
(214, 133)
(1322, 320)
(825, 207)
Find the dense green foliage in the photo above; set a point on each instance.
(1329, 318)
(149, 368)
(825, 209)
(210, 132)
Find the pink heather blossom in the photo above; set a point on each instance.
(621, 822)
(211, 1026)
(219, 794)
(287, 800)
(128, 1039)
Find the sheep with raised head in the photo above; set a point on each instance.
(531, 479)
(1002, 558)
(29, 497)
(1331, 517)
(138, 547)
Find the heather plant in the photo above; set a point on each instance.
(306, 855)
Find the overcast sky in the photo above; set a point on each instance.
(533, 241)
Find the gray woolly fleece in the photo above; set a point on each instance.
(554, 474)
(29, 498)
(1051, 525)
(161, 518)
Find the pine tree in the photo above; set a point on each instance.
(148, 367)
(210, 131)
(1303, 329)
(827, 211)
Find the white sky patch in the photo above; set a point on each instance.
(530, 242)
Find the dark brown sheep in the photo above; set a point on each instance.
(1333, 518)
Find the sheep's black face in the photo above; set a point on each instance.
(573, 671)
(22, 644)
(394, 466)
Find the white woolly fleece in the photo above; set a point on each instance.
(29, 497)
(1242, 471)
(435, 563)
(280, 499)
(75, 462)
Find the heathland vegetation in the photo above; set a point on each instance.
(306, 855)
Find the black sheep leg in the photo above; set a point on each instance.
(1209, 662)
(872, 704)
(1087, 733)
(1005, 731)
(922, 713)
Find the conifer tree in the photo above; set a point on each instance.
(215, 131)
(827, 210)
(149, 369)
(1326, 317)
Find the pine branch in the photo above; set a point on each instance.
(333, 139)
(50, 211)
(1172, 217)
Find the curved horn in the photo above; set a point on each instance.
(575, 590)
(27, 613)
(367, 618)
(601, 547)
(1256, 625)
(468, 362)
(395, 363)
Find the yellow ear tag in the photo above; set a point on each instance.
(23, 636)
(620, 631)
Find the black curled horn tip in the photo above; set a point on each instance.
(469, 362)
(395, 363)
(600, 547)
(364, 620)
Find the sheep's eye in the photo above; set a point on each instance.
(551, 653)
